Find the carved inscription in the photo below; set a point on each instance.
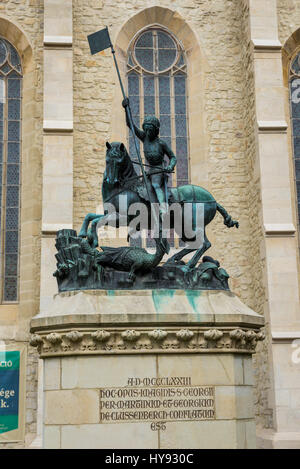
(156, 401)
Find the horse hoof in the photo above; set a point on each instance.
(82, 234)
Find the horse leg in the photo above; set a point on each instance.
(193, 262)
(93, 231)
(228, 221)
(87, 219)
(178, 256)
(103, 220)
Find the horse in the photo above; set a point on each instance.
(120, 177)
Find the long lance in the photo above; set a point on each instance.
(129, 115)
(99, 41)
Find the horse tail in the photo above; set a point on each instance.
(228, 221)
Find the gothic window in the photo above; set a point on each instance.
(156, 77)
(295, 114)
(10, 142)
(156, 73)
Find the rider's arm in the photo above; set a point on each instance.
(171, 156)
(138, 132)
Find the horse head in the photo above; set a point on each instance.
(118, 164)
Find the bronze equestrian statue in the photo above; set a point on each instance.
(120, 177)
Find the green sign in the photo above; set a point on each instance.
(9, 391)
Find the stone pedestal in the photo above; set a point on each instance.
(148, 369)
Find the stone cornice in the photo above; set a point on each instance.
(285, 336)
(280, 229)
(57, 126)
(58, 41)
(267, 45)
(51, 228)
(272, 126)
(145, 340)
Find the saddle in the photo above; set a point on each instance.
(175, 194)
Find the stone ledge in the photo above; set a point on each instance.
(57, 126)
(280, 229)
(61, 41)
(157, 321)
(120, 340)
(51, 228)
(150, 307)
(285, 337)
(270, 439)
(266, 45)
(272, 126)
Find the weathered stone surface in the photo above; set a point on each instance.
(112, 379)
(234, 402)
(52, 374)
(105, 306)
(129, 436)
(288, 18)
(20, 18)
(226, 152)
(51, 437)
(198, 435)
(218, 369)
(95, 372)
(73, 407)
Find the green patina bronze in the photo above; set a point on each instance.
(120, 178)
(80, 265)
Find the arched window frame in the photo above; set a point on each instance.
(10, 164)
(177, 139)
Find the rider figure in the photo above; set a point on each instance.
(154, 150)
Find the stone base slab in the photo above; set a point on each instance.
(146, 322)
(147, 306)
(114, 402)
(149, 369)
(269, 439)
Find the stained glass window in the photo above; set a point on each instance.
(10, 145)
(156, 74)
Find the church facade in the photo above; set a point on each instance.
(223, 77)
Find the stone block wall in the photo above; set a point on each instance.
(228, 121)
(288, 18)
(73, 403)
(21, 22)
(227, 164)
(260, 359)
